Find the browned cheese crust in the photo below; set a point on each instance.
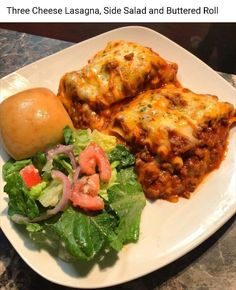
(92, 94)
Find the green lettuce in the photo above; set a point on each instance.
(84, 235)
(80, 139)
(20, 201)
(68, 135)
(39, 160)
(127, 199)
(37, 190)
(51, 194)
(121, 155)
(106, 142)
(61, 162)
(12, 166)
(81, 235)
(104, 186)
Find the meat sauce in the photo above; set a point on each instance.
(161, 179)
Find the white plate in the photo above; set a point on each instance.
(168, 230)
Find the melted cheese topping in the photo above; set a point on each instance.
(150, 117)
(119, 71)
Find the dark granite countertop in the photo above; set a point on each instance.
(212, 265)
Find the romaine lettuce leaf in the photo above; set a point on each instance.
(19, 200)
(77, 235)
(80, 139)
(33, 227)
(127, 200)
(61, 162)
(39, 160)
(51, 194)
(12, 166)
(45, 236)
(84, 235)
(68, 135)
(37, 190)
(122, 156)
(106, 142)
(104, 186)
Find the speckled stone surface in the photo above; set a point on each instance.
(19, 49)
(212, 265)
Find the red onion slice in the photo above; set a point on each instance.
(65, 195)
(76, 174)
(59, 149)
(20, 219)
(72, 160)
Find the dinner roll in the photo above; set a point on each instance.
(30, 121)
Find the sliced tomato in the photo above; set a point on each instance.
(30, 175)
(87, 202)
(89, 185)
(94, 156)
(85, 193)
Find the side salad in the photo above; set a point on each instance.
(80, 198)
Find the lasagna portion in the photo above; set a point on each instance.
(120, 71)
(130, 91)
(178, 137)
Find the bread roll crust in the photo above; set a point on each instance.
(30, 121)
